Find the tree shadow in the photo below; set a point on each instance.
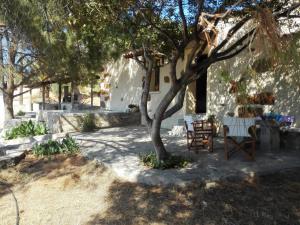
(32, 169)
(264, 200)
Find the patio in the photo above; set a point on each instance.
(119, 149)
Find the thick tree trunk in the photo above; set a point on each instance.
(43, 97)
(154, 124)
(8, 99)
(92, 95)
(72, 95)
(160, 150)
(59, 96)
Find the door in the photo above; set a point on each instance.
(201, 93)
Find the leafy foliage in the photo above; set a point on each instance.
(21, 113)
(26, 129)
(173, 161)
(88, 123)
(67, 146)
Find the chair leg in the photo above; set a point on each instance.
(225, 144)
(253, 149)
(187, 142)
(211, 144)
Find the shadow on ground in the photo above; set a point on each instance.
(120, 147)
(267, 200)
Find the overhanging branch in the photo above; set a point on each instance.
(178, 105)
(183, 20)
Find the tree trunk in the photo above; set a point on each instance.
(59, 96)
(72, 95)
(159, 147)
(21, 99)
(160, 150)
(92, 95)
(43, 97)
(154, 124)
(8, 97)
(8, 106)
(31, 104)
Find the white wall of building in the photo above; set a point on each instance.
(1, 110)
(284, 84)
(126, 88)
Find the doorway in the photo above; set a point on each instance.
(201, 94)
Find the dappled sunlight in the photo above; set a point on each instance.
(120, 148)
(257, 201)
(285, 85)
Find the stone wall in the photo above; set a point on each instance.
(60, 121)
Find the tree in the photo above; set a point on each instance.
(20, 35)
(44, 45)
(15, 61)
(187, 31)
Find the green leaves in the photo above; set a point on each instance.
(67, 146)
(173, 161)
(88, 123)
(26, 129)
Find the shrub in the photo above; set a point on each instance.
(21, 113)
(88, 123)
(67, 146)
(26, 129)
(173, 161)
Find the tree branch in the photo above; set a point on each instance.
(178, 105)
(22, 93)
(146, 89)
(163, 32)
(195, 25)
(287, 11)
(231, 33)
(236, 44)
(183, 20)
(173, 73)
(233, 53)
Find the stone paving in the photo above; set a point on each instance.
(119, 149)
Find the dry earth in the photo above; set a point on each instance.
(69, 190)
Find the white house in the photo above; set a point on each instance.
(209, 95)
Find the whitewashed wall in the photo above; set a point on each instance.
(126, 88)
(1, 110)
(285, 86)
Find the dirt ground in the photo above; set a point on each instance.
(69, 190)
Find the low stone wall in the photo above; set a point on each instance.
(60, 121)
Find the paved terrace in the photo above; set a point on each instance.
(119, 149)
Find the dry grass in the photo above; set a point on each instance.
(58, 190)
(70, 190)
(268, 200)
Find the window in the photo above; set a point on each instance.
(154, 84)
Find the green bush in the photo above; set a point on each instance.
(26, 129)
(21, 113)
(88, 123)
(67, 146)
(173, 161)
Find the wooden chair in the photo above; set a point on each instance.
(241, 133)
(199, 134)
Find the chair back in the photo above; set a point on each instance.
(203, 126)
(189, 123)
(238, 127)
